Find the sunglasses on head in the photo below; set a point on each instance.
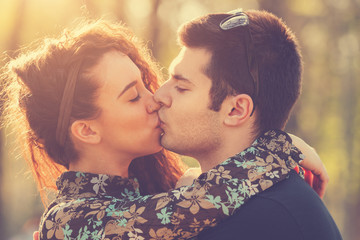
(239, 19)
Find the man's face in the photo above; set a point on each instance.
(190, 127)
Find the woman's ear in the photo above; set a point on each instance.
(239, 109)
(85, 132)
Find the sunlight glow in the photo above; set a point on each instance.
(307, 8)
(185, 12)
(349, 45)
(139, 9)
(313, 36)
(190, 10)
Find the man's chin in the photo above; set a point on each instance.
(164, 142)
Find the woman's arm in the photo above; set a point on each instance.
(183, 212)
(313, 163)
(315, 171)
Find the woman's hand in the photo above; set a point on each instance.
(313, 163)
(188, 177)
(36, 235)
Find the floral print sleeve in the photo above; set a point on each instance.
(97, 206)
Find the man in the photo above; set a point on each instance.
(239, 75)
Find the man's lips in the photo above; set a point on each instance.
(162, 125)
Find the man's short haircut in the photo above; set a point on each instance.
(276, 51)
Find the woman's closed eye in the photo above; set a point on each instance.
(137, 98)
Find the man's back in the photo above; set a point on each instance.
(288, 210)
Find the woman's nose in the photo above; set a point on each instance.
(152, 106)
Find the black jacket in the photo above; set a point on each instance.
(290, 210)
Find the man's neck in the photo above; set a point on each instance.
(232, 145)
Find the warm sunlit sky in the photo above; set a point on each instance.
(327, 115)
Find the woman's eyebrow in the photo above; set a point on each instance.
(127, 87)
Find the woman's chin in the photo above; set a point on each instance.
(153, 150)
(159, 148)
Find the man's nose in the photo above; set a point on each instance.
(162, 95)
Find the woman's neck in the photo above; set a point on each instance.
(103, 163)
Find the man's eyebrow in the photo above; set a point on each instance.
(133, 83)
(181, 78)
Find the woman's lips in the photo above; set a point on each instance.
(161, 123)
(158, 124)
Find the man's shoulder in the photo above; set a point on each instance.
(288, 210)
(291, 194)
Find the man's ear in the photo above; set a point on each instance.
(85, 132)
(238, 109)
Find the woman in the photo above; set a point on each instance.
(85, 103)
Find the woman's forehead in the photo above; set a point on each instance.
(116, 68)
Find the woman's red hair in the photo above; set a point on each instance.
(33, 85)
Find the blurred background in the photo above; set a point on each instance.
(326, 115)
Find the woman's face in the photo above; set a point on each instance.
(128, 122)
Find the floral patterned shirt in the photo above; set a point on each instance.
(99, 206)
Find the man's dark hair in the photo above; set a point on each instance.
(276, 51)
